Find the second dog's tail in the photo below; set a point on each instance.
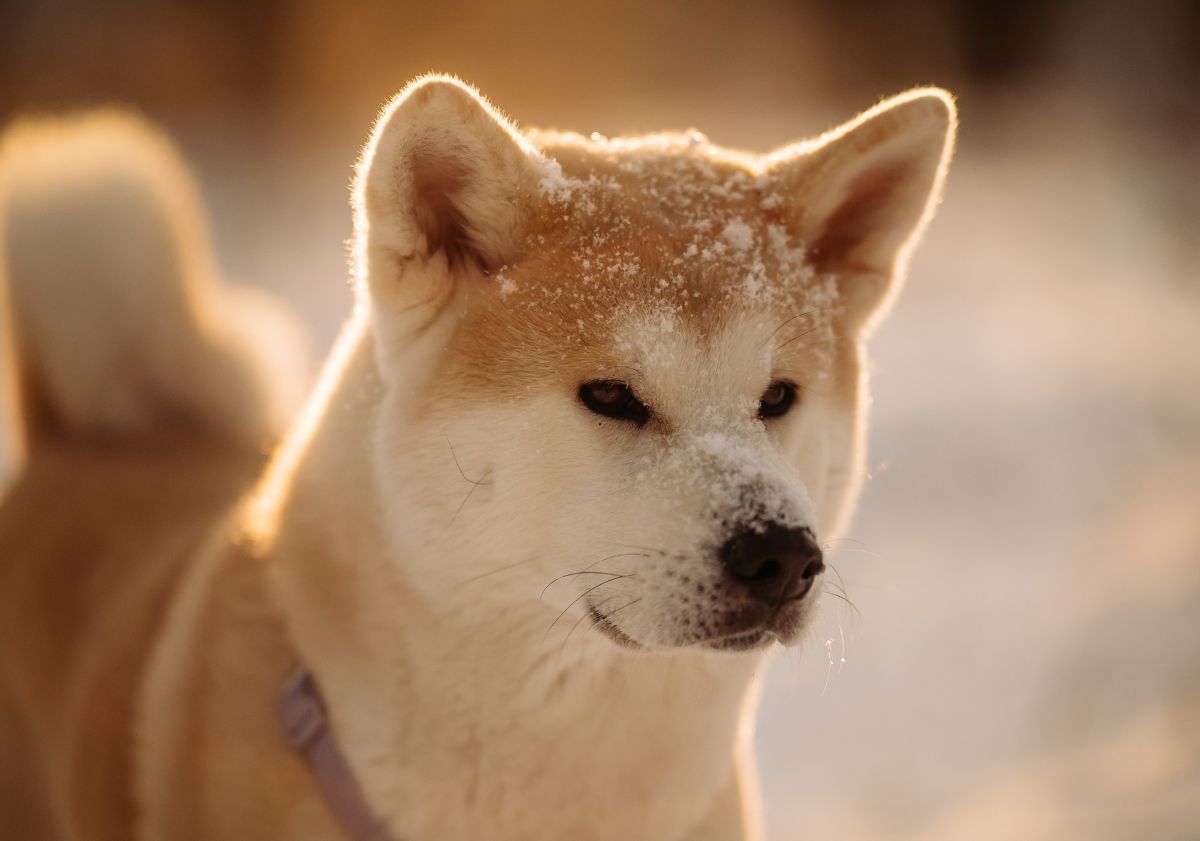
(115, 321)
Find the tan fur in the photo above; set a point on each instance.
(80, 605)
(443, 470)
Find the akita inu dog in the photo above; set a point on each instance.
(514, 570)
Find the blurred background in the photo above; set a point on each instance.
(1023, 661)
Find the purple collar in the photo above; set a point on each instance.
(304, 720)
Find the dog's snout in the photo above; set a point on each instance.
(775, 564)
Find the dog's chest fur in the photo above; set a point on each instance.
(521, 743)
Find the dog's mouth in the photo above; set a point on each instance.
(782, 625)
(605, 626)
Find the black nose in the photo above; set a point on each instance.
(775, 564)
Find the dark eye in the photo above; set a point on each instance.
(776, 400)
(613, 399)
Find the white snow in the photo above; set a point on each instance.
(738, 234)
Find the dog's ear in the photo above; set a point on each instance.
(441, 184)
(860, 196)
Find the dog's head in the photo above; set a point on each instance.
(623, 377)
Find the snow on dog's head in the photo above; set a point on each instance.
(623, 377)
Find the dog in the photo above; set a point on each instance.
(515, 566)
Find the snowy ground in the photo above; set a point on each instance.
(1025, 659)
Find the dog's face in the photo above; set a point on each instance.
(623, 377)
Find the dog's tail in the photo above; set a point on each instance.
(114, 319)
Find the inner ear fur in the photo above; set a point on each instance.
(860, 196)
(444, 177)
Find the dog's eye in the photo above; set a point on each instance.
(777, 399)
(613, 399)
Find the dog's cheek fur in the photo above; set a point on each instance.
(481, 493)
(829, 444)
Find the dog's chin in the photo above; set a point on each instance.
(785, 628)
(755, 640)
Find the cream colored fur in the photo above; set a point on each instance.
(445, 522)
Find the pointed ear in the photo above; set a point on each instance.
(860, 196)
(441, 185)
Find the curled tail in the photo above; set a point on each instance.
(117, 322)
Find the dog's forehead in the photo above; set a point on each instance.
(662, 221)
(671, 194)
(651, 256)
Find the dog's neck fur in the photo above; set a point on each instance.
(528, 731)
